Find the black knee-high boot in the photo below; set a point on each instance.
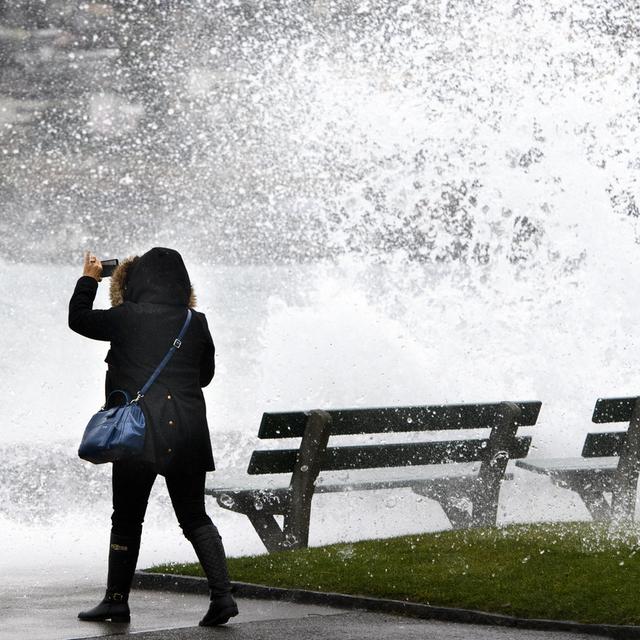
(123, 556)
(208, 547)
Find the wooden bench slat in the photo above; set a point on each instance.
(568, 465)
(598, 445)
(358, 480)
(613, 410)
(388, 455)
(397, 419)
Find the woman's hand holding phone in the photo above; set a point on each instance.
(92, 266)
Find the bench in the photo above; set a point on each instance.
(609, 463)
(464, 475)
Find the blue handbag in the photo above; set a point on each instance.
(116, 433)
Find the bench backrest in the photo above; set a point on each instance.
(608, 410)
(399, 420)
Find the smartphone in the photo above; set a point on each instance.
(108, 267)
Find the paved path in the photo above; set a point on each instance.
(49, 613)
(357, 626)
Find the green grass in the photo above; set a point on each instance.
(581, 572)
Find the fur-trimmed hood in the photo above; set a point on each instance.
(157, 276)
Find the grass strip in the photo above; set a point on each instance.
(580, 571)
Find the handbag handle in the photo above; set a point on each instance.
(177, 343)
(127, 397)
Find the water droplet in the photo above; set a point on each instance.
(346, 552)
(226, 500)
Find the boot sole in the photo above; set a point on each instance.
(222, 618)
(116, 619)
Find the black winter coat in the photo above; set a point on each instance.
(141, 329)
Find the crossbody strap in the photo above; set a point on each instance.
(177, 343)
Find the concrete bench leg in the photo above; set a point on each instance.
(294, 536)
(485, 501)
(454, 498)
(596, 503)
(314, 443)
(487, 493)
(297, 509)
(458, 517)
(268, 529)
(625, 484)
(624, 501)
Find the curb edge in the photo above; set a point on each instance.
(191, 584)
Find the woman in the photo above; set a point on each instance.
(150, 296)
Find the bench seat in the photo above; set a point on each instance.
(558, 466)
(231, 493)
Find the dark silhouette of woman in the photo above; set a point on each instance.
(150, 295)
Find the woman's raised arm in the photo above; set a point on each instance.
(97, 324)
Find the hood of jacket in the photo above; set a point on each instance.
(158, 276)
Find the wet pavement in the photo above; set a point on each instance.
(359, 626)
(49, 613)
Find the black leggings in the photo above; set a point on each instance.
(132, 483)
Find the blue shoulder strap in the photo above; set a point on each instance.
(177, 343)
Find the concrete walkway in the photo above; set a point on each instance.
(49, 613)
(356, 626)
